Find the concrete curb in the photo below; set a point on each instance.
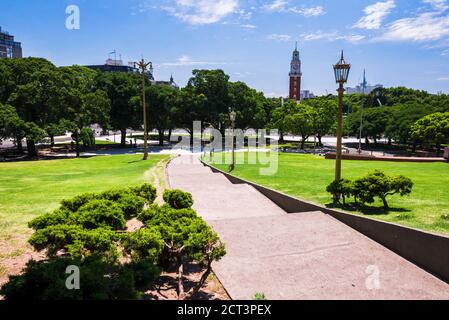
(427, 250)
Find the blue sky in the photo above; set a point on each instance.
(399, 42)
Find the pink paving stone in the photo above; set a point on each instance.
(294, 256)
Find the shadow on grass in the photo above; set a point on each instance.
(367, 210)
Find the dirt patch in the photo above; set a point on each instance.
(165, 288)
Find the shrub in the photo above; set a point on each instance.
(101, 213)
(87, 137)
(178, 199)
(144, 245)
(59, 216)
(340, 189)
(75, 240)
(146, 191)
(260, 296)
(131, 205)
(77, 202)
(378, 184)
(45, 280)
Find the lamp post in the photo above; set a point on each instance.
(232, 117)
(143, 69)
(341, 71)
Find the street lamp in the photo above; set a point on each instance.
(232, 117)
(341, 70)
(143, 69)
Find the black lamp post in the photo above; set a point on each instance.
(341, 70)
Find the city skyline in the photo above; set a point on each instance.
(399, 43)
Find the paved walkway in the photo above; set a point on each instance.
(294, 256)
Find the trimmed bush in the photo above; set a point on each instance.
(101, 214)
(367, 188)
(144, 244)
(178, 199)
(146, 191)
(340, 189)
(131, 205)
(77, 202)
(45, 280)
(59, 216)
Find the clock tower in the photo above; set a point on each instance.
(295, 76)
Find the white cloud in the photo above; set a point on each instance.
(276, 6)
(279, 37)
(331, 36)
(186, 61)
(425, 27)
(374, 15)
(445, 52)
(199, 12)
(248, 26)
(443, 79)
(309, 12)
(440, 5)
(283, 6)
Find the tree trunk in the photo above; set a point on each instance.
(52, 141)
(281, 137)
(384, 200)
(414, 145)
(181, 294)
(31, 147)
(77, 148)
(366, 141)
(169, 135)
(303, 142)
(123, 137)
(19, 146)
(161, 136)
(320, 143)
(389, 141)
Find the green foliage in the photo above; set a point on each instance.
(178, 199)
(87, 137)
(432, 129)
(146, 191)
(101, 214)
(88, 231)
(367, 188)
(77, 202)
(144, 244)
(59, 216)
(340, 189)
(46, 280)
(260, 296)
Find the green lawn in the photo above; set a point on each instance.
(306, 177)
(28, 189)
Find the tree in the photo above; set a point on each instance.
(123, 92)
(162, 100)
(84, 105)
(325, 115)
(189, 107)
(185, 236)
(279, 115)
(214, 86)
(300, 122)
(33, 89)
(432, 129)
(378, 184)
(249, 106)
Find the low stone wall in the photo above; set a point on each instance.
(331, 155)
(427, 250)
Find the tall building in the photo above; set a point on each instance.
(295, 76)
(8, 47)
